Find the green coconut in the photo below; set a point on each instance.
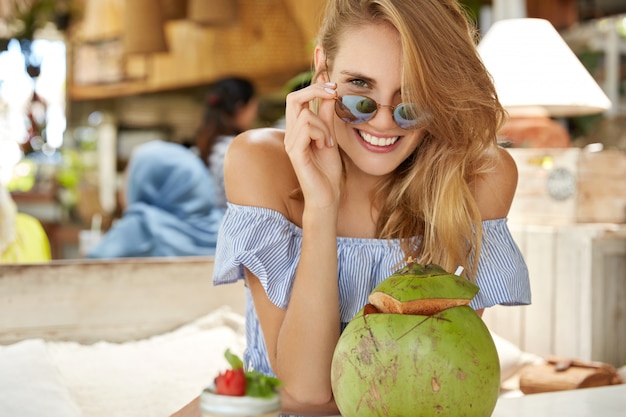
(440, 362)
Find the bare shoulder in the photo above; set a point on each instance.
(257, 170)
(495, 189)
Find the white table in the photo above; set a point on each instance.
(588, 402)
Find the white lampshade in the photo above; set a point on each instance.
(535, 72)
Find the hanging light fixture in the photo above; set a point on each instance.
(144, 27)
(212, 12)
(538, 78)
(535, 71)
(102, 20)
(174, 9)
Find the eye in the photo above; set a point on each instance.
(359, 83)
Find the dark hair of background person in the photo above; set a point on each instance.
(222, 104)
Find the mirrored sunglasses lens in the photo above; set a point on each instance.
(355, 109)
(406, 115)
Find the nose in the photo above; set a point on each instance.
(383, 119)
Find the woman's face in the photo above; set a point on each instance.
(368, 63)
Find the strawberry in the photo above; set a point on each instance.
(231, 382)
(238, 382)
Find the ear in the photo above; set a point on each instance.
(319, 59)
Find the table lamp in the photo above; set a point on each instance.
(537, 76)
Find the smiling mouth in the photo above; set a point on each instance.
(378, 141)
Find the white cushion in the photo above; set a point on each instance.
(512, 358)
(151, 377)
(31, 385)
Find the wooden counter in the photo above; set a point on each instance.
(114, 300)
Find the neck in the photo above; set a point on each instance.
(359, 183)
(357, 217)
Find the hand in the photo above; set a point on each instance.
(310, 144)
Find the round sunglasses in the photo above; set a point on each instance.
(360, 109)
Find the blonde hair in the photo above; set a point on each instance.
(430, 194)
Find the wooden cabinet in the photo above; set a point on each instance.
(573, 185)
(269, 42)
(578, 281)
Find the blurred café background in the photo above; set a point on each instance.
(82, 82)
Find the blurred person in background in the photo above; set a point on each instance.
(230, 107)
(169, 206)
(22, 237)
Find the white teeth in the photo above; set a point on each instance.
(376, 141)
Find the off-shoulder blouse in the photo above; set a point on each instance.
(265, 242)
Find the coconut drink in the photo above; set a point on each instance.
(417, 349)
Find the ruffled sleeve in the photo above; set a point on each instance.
(502, 272)
(264, 242)
(267, 244)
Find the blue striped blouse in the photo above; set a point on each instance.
(268, 244)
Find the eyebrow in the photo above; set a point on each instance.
(360, 76)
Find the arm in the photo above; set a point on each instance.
(301, 339)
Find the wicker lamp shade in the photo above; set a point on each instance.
(102, 20)
(174, 9)
(144, 31)
(212, 12)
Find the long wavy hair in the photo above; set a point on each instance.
(430, 194)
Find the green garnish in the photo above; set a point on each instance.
(258, 385)
(233, 359)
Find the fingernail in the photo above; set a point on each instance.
(331, 84)
(330, 140)
(329, 90)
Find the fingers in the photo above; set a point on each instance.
(309, 144)
(298, 112)
(299, 100)
(308, 129)
(326, 111)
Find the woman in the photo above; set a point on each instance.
(333, 205)
(230, 108)
(169, 209)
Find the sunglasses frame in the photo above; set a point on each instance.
(339, 103)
